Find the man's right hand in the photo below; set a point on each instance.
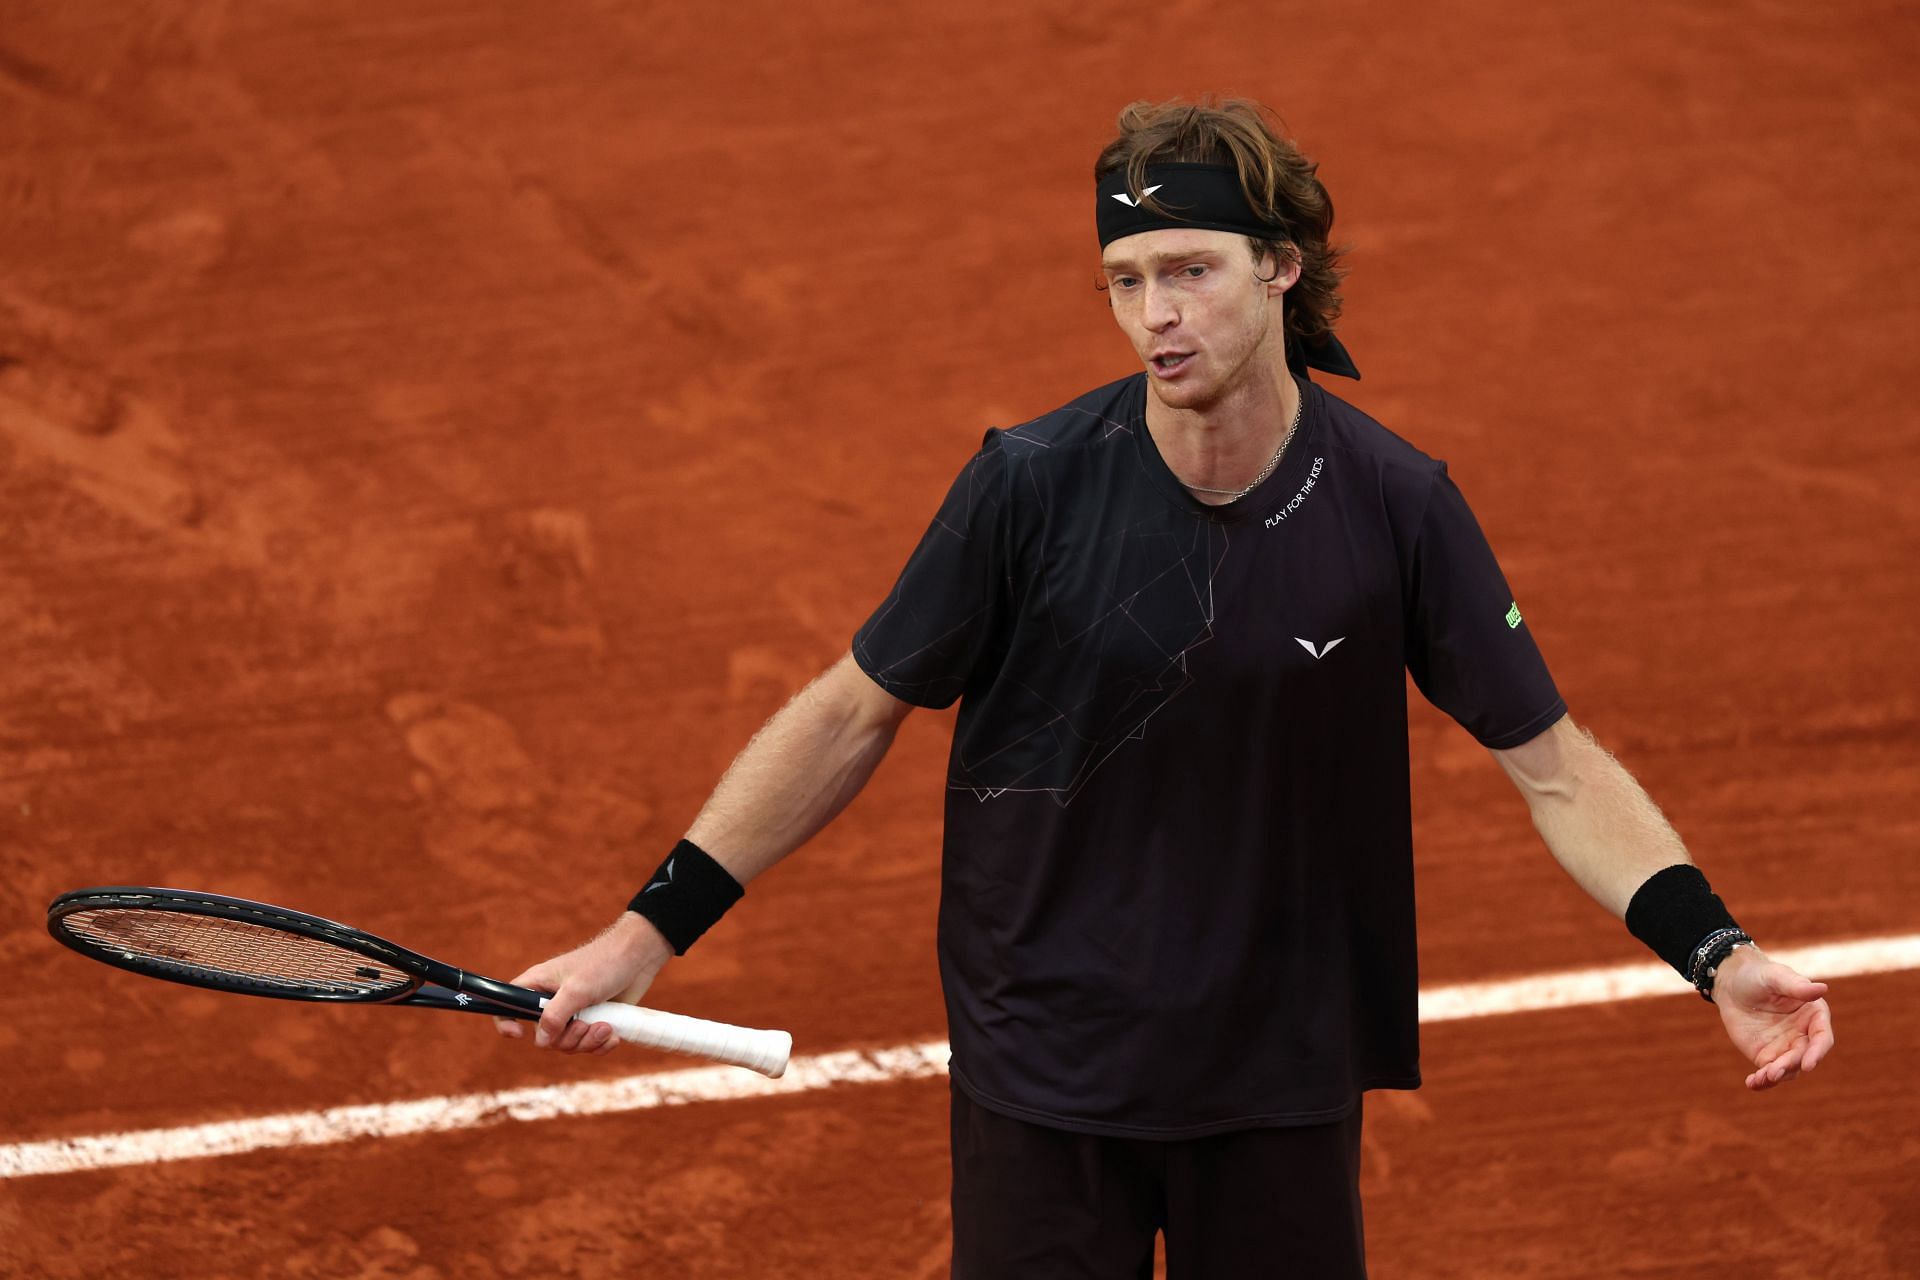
(619, 964)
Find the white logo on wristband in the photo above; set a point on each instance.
(666, 871)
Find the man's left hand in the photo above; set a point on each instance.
(1775, 1017)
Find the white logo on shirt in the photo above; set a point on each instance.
(1321, 653)
(1313, 478)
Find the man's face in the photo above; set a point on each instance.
(1199, 317)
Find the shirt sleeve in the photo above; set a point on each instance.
(925, 641)
(1468, 649)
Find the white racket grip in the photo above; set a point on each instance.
(762, 1051)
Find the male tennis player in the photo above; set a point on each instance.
(1176, 927)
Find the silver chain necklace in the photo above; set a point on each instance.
(1265, 471)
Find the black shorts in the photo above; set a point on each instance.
(1037, 1203)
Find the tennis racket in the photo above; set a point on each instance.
(250, 948)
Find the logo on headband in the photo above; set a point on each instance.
(1130, 202)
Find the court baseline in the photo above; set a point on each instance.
(1558, 990)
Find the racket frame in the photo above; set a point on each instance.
(430, 983)
(435, 985)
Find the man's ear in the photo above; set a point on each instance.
(1278, 272)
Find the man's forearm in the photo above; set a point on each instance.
(1597, 821)
(801, 769)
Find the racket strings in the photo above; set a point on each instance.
(233, 952)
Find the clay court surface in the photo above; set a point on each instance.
(434, 436)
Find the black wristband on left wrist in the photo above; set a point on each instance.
(1676, 913)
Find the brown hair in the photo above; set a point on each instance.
(1278, 180)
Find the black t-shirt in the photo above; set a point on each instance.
(1177, 885)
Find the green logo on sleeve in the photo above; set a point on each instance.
(1513, 615)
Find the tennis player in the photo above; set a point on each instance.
(1176, 929)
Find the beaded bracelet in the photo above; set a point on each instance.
(1712, 954)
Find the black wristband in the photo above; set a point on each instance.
(687, 894)
(1673, 912)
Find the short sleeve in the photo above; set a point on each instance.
(1468, 649)
(924, 642)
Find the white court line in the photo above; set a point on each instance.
(852, 1066)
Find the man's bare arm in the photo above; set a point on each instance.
(1610, 836)
(1596, 820)
(792, 778)
(799, 771)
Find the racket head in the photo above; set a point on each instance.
(234, 945)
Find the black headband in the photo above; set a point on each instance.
(1208, 197)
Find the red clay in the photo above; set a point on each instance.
(431, 441)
